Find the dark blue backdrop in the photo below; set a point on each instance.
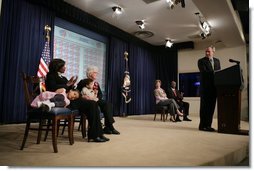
(22, 39)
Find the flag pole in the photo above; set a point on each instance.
(47, 29)
(126, 88)
(43, 66)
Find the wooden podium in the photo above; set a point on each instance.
(229, 84)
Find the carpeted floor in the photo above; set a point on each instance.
(143, 142)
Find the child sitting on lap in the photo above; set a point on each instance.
(87, 91)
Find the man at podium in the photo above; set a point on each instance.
(207, 66)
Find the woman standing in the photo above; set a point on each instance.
(55, 80)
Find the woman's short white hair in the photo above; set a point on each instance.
(91, 69)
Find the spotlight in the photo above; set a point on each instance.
(117, 10)
(140, 24)
(204, 26)
(168, 43)
(171, 3)
(203, 35)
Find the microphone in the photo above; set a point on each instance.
(232, 60)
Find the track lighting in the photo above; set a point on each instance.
(172, 3)
(117, 10)
(204, 26)
(140, 24)
(169, 43)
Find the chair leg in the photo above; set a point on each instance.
(58, 127)
(25, 135)
(163, 115)
(64, 126)
(70, 129)
(47, 131)
(154, 116)
(167, 116)
(39, 132)
(54, 132)
(79, 125)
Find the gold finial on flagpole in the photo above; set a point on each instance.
(47, 28)
(126, 55)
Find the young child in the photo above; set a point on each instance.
(46, 100)
(87, 91)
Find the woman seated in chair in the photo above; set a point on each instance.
(161, 99)
(55, 80)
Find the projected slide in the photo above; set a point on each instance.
(79, 52)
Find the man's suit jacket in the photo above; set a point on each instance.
(207, 86)
(178, 97)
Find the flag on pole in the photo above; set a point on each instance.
(44, 61)
(126, 88)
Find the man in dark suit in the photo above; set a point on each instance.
(178, 96)
(207, 65)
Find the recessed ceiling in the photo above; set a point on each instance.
(178, 24)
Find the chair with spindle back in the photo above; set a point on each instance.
(31, 89)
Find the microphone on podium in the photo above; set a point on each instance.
(234, 61)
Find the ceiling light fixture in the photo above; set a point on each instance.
(172, 3)
(141, 24)
(117, 10)
(204, 26)
(169, 43)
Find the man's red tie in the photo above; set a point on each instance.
(175, 92)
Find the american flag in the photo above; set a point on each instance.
(44, 61)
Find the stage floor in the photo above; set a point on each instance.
(143, 142)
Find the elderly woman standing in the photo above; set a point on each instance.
(55, 80)
(106, 107)
(161, 99)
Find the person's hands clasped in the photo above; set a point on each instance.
(72, 81)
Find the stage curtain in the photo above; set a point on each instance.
(116, 68)
(166, 66)
(21, 40)
(142, 73)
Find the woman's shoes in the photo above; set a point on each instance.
(172, 119)
(179, 113)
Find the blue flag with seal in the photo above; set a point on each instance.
(126, 87)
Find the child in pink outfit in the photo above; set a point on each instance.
(59, 98)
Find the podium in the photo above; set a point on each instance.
(229, 84)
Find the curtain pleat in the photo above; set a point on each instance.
(22, 40)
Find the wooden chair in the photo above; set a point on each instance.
(31, 89)
(81, 119)
(163, 110)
